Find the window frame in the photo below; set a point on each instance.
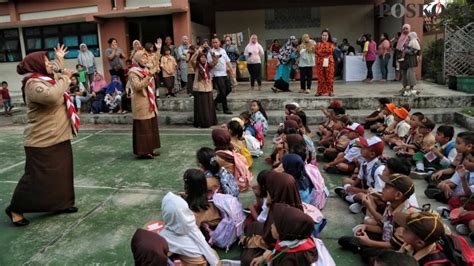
(3, 49)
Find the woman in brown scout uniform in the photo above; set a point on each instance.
(146, 136)
(47, 184)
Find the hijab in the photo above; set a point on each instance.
(33, 63)
(114, 85)
(293, 139)
(181, 232)
(221, 138)
(203, 70)
(285, 52)
(294, 228)
(149, 248)
(282, 189)
(414, 41)
(297, 119)
(291, 124)
(137, 57)
(403, 39)
(98, 85)
(295, 166)
(85, 58)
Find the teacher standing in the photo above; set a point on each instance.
(325, 65)
(146, 135)
(47, 184)
(254, 53)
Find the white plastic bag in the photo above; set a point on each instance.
(324, 257)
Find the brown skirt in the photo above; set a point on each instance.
(146, 136)
(248, 254)
(47, 184)
(204, 111)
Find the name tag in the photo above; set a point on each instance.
(326, 62)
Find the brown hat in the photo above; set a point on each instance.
(426, 225)
(427, 123)
(401, 182)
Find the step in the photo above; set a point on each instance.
(314, 117)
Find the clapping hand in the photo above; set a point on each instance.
(60, 51)
(158, 44)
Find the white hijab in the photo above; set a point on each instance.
(181, 232)
(85, 58)
(414, 41)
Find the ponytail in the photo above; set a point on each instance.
(207, 158)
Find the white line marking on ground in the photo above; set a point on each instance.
(23, 162)
(161, 134)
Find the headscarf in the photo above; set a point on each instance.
(149, 248)
(85, 58)
(403, 39)
(33, 63)
(114, 85)
(290, 124)
(414, 41)
(98, 85)
(282, 189)
(293, 139)
(295, 166)
(285, 52)
(203, 70)
(137, 57)
(221, 139)
(292, 223)
(295, 118)
(181, 232)
(294, 228)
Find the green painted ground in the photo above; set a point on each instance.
(116, 194)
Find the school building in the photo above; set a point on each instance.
(27, 25)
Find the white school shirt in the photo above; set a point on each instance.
(402, 129)
(456, 179)
(220, 69)
(352, 153)
(381, 184)
(388, 120)
(365, 173)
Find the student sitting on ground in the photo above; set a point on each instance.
(388, 120)
(400, 132)
(259, 116)
(367, 180)
(348, 161)
(340, 141)
(149, 248)
(377, 118)
(236, 132)
(218, 178)
(113, 95)
(423, 143)
(461, 184)
(292, 229)
(248, 125)
(408, 147)
(185, 241)
(370, 240)
(295, 166)
(331, 112)
(390, 257)
(422, 231)
(309, 142)
(259, 209)
(295, 109)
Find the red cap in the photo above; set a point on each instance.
(374, 144)
(356, 127)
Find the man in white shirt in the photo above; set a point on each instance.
(219, 73)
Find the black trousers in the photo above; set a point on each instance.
(369, 64)
(189, 84)
(221, 85)
(306, 76)
(255, 71)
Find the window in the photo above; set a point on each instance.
(71, 35)
(9, 46)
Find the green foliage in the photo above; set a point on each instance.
(458, 13)
(433, 59)
(469, 111)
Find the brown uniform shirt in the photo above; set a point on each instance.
(48, 120)
(140, 102)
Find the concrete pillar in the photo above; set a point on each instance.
(181, 21)
(116, 28)
(416, 23)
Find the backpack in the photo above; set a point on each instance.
(320, 191)
(253, 145)
(317, 216)
(457, 250)
(259, 128)
(230, 228)
(242, 176)
(228, 184)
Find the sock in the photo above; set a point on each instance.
(350, 198)
(420, 166)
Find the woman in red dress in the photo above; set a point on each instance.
(325, 64)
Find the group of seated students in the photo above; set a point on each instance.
(281, 226)
(382, 187)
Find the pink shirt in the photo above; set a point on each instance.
(384, 47)
(371, 51)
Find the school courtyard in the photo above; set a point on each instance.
(116, 193)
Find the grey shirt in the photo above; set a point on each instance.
(116, 60)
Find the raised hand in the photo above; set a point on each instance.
(68, 72)
(60, 51)
(158, 44)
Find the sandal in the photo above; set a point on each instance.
(274, 89)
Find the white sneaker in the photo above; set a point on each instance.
(443, 211)
(355, 207)
(230, 263)
(462, 229)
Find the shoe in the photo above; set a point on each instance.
(68, 210)
(350, 243)
(440, 197)
(432, 192)
(443, 211)
(191, 96)
(156, 153)
(22, 222)
(419, 174)
(321, 149)
(228, 112)
(148, 156)
(462, 229)
(230, 263)
(355, 208)
(341, 192)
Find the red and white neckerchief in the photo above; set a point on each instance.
(71, 110)
(149, 87)
(204, 69)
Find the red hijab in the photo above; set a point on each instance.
(33, 63)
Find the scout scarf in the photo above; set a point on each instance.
(149, 87)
